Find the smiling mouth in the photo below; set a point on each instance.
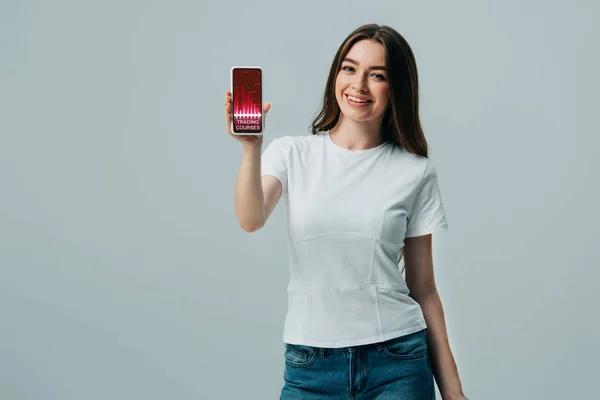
(356, 101)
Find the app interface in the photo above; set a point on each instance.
(247, 100)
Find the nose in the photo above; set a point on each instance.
(360, 84)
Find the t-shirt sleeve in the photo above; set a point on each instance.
(273, 162)
(427, 214)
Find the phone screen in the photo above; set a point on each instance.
(247, 100)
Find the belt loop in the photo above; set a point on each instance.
(322, 352)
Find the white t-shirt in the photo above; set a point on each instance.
(348, 213)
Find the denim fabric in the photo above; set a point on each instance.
(397, 369)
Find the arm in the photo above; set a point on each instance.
(421, 283)
(255, 196)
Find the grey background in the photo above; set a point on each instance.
(123, 271)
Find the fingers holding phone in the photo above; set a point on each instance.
(244, 139)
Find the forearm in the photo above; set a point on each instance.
(249, 196)
(443, 364)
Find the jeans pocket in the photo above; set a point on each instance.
(407, 347)
(299, 356)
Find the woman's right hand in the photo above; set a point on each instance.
(245, 140)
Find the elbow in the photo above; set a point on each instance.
(425, 295)
(253, 224)
(251, 227)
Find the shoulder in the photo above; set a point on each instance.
(294, 145)
(299, 141)
(413, 166)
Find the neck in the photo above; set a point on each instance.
(357, 135)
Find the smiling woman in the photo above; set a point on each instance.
(360, 192)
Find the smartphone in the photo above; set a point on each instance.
(247, 101)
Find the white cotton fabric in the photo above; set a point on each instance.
(348, 213)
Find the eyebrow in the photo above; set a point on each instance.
(356, 63)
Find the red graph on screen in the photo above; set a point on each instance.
(244, 106)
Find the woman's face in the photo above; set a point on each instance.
(363, 75)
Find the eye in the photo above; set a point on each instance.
(348, 68)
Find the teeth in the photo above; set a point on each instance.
(356, 99)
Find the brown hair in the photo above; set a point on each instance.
(401, 122)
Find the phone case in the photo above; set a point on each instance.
(247, 116)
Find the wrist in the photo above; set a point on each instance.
(251, 148)
(454, 396)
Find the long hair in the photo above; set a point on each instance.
(401, 123)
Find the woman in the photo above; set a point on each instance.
(361, 195)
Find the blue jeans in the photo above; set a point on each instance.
(398, 369)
